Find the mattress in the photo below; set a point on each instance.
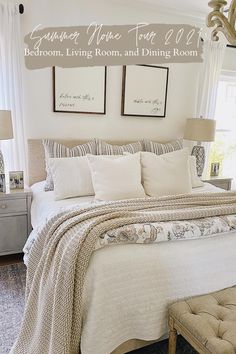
(128, 288)
(43, 204)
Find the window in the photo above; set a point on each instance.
(223, 150)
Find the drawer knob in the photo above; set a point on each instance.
(3, 206)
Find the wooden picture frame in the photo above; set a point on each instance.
(144, 91)
(80, 90)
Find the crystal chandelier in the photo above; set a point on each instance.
(223, 20)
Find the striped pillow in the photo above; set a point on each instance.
(104, 148)
(159, 149)
(53, 149)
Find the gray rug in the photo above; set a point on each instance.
(12, 289)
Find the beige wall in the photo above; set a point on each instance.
(40, 121)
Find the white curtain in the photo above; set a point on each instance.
(11, 87)
(213, 57)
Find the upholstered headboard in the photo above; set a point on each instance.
(36, 157)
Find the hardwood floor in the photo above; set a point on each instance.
(11, 259)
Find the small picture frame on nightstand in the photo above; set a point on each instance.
(2, 183)
(16, 180)
(215, 169)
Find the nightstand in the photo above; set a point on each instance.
(220, 182)
(15, 224)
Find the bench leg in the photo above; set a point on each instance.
(172, 337)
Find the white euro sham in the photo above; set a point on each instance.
(116, 179)
(167, 174)
(71, 177)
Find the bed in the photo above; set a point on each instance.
(127, 287)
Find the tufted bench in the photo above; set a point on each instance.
(207, 322)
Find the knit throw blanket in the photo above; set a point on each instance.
(60, 256)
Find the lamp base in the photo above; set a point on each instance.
(1, 163)
(199, 152)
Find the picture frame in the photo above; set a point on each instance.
(215, 169)
(2, 183)
(144, 91)
(16, 180)
(80, 90)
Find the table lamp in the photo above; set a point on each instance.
(6, 132)
(200, 130)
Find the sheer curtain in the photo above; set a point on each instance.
(208, 83)
(11, 88)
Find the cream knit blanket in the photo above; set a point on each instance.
(60, 256)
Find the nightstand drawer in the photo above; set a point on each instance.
(13, 234)
(12, 206)
(224, 185)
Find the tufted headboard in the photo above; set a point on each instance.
(36, 157)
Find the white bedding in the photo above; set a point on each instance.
(128, 287)
(44, 204)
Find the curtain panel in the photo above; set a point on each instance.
(11, 86)
(213, 57)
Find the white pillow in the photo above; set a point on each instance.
(167, 174)
(71, 177)
(117, 178)
(196, 181)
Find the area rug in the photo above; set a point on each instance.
(12, 289)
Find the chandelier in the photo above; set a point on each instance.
(223, 20)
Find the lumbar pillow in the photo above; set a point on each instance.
(71, 177)
(115, 179)
(167, 174)
(54, 149)
(104, 148)
(196, 181)
(159, 149)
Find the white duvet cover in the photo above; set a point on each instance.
(128, 287)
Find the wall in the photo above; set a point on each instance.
(40, 121)
(230, 59)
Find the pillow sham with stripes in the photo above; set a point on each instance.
(104, 148)
(54, 149)
(160, 149)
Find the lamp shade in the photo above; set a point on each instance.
(6, 131)
(199, 129)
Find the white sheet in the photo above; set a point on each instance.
(129, 287)
(43, 204)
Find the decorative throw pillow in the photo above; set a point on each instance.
(104, 148)
(115, 179)
(196, 181)
(159, 149)
(167, 174)
(54, 149)
(71, 177)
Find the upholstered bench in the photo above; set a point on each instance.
(207, 322)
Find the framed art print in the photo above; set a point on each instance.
(144, 91)
(80, 90)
